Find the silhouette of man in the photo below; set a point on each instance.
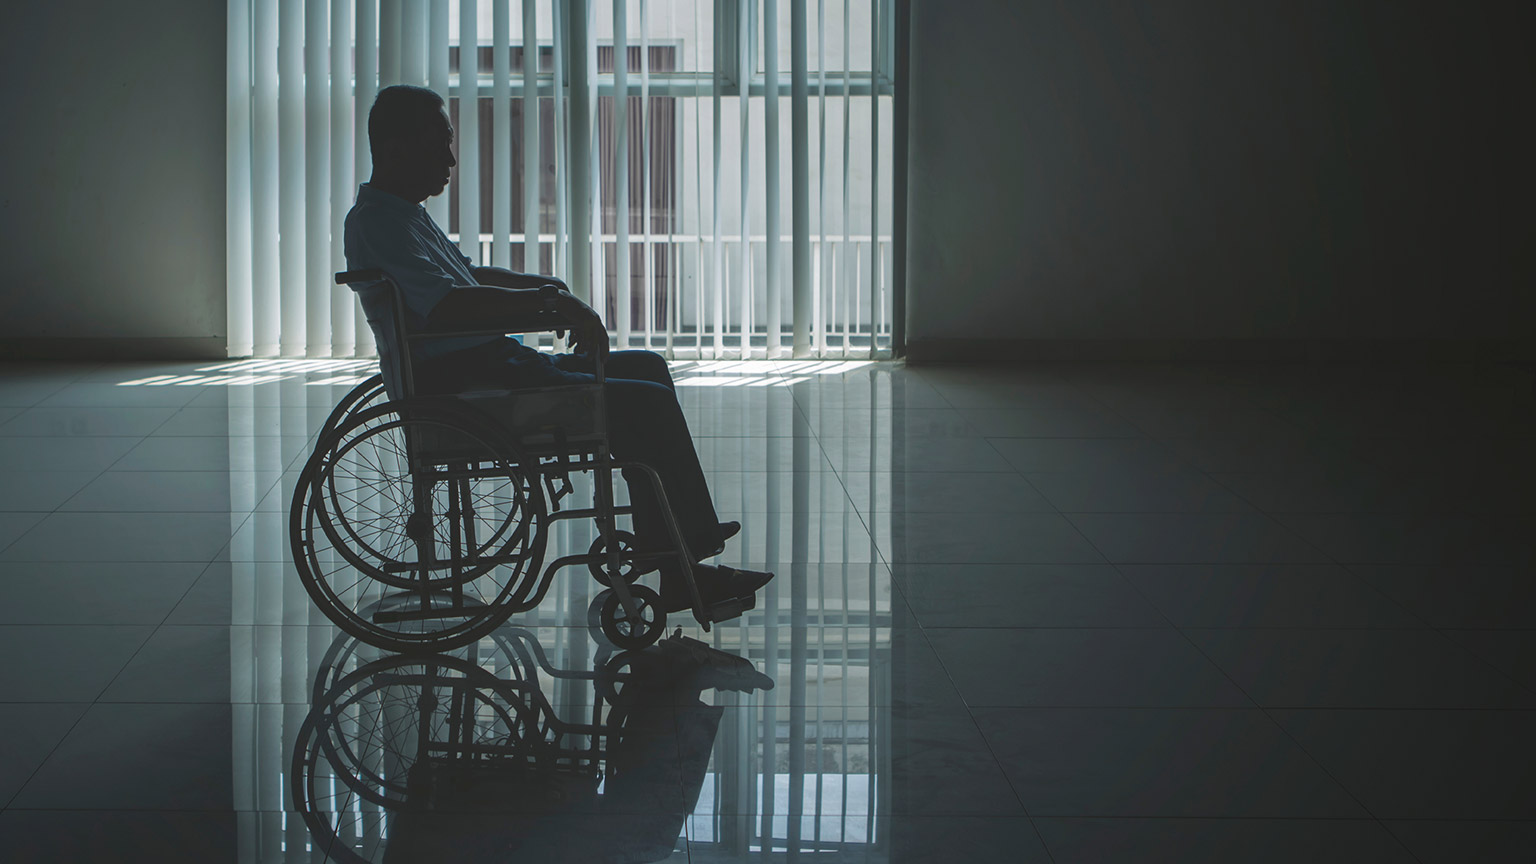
(411, 139)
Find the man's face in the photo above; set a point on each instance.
(427, 159)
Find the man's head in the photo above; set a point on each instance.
(411, 139)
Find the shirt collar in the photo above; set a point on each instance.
(369, 195)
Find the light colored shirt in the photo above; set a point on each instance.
(386, 232)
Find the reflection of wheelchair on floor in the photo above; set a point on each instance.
(434, 758)
(421, 522)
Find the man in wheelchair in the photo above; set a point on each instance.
(411, 139)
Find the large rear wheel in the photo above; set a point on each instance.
(415, 524)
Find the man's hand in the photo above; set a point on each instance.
(588, 333)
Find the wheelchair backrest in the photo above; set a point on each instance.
(385, 311)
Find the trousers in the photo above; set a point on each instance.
(645, 424)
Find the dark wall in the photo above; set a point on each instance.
(112, 211)
(1203, 169)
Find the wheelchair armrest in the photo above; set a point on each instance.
(349, 276)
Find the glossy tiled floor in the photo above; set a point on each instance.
(1058, 613)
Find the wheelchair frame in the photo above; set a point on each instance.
(543, 450)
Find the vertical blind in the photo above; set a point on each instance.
(634, 148)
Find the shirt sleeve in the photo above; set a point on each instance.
(381, 239)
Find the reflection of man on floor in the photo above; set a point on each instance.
(411, 138)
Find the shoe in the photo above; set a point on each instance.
(717, 584)
(727, 531)
(708, 668)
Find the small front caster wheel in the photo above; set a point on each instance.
(599, 563)
(630, 632)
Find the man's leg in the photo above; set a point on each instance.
(647, 425)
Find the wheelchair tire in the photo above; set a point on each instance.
(370, 559)
(629, 633)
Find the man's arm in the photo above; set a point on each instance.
(501, 277)
(473, 307)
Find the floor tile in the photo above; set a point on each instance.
(116, 837)
(833, 423)
(1159, 762)
(1049, 421)
(63, 453)
(138, 757)
(88, 421)
(1265, 595)
(1437, 538)
(14, 525)
(1193, 538)
(41, 491)
(51, 593)
(998, 839)
(914, 455)
(762, 492)
(101, 395)
(1458, 595)
(214, 453)
(31, 732)
(1357, 669)
(1022, 595)
(1425, 764)
(64, 664)
(941, 766)
(243, 593)
(23, 393)
(1268, 451)
(1191, 841)
(1335, 492)
(1450, 842)
(910, 839)
(124, 537)
(172, 491)
(225, 664)
(761, 454)
(240, 421)
(936, 492)
(177, 664)
(982, 538)
(1135, 492)
(1060, 668)
(1103, 455)
(1512, 652)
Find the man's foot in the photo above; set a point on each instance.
(708, 668)
(727, 531)
(716, 584)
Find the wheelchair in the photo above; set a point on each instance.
(421, 522)
(437, 757)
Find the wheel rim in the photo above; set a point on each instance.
(639, 630)
(368, 509)
(352, 589)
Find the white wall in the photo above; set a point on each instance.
(1203, 169)
(113, 201)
